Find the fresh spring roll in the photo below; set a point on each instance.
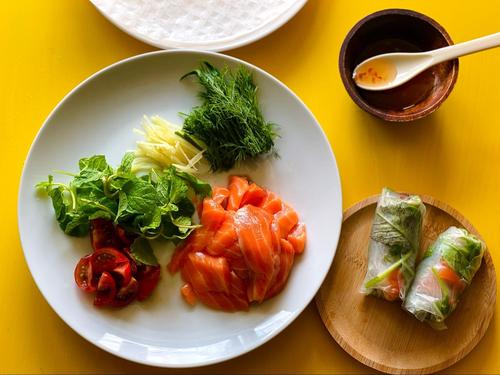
(394, 244)
(446, 269)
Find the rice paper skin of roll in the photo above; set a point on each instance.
(394, 245)
(447, 268)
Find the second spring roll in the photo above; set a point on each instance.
(446, 269)
(394, 244)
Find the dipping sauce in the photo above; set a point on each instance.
(407, 95)
(375, 73)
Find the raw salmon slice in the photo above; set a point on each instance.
(287, 219)
(234, 252)
(276, 236)
(255, 195)
(225, 237)
(260, 283)
(220, 195)
(244, 251)
(188, 294)
(238, 186)
(197, 241)
(258, 286)
(238, 286)
(212, 215)
(239, 266)
(254, 236)
(286, 262)
(222, 301)
(297, 238)
(272, 203)
(206, 273)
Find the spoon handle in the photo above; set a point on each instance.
(465, 48)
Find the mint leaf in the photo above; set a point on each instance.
(71, 222)
(122, 205)
(170, 188)
(58, 202)
(154, 221)
(94, 163)
(101, 214)
(141, 196)
(125, 168)
(45, 185)
(200, 187)
(76, 224)
(142, 252)
(184, 223)
(185, 207)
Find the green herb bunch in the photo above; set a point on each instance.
(154, 205)
(229, 122)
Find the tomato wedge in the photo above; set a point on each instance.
(124, 273)
(106, 290)
(84, 277)
(148, 277)
(122, 235)
(447, 274)
(126, 294)
(392, 290)
(102, 234)
(107, 259)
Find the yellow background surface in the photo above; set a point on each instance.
(49, 46)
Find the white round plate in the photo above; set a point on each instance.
(97, 117)
(210, 25)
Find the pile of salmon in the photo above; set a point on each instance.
(244, 250)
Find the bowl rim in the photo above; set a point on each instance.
(380, 113)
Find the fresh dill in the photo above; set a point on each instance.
(229, 122)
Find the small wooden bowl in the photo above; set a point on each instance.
(381, 334)
(398, 30)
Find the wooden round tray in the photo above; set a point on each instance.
(381, 334)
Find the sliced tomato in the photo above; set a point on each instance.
(133, 263)
(102, 234)
(84, 276)
(447, 274)
(124, 273)
(125, 238)
(106, 290)
(148, 277)
(126, 294)
(391, 292)
(107, 259)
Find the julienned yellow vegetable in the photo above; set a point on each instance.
(162, 147)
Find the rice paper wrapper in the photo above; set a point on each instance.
(447, 268)
(394, 245)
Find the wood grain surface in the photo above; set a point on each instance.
(381, 334)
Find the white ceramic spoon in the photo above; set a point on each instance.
(390, 70)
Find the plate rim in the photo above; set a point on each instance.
(386, 368)
(53, 112)
(242, 41)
